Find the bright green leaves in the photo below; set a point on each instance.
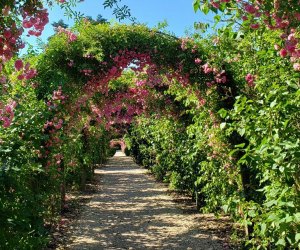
(223, 113)
(196, 5)
(120, 12)
(204, 8)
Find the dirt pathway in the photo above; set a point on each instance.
(131, 211)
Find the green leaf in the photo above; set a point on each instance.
(241, 131)
(280, 242)
(217, 18)
(270, 203)
(233, 151)
(204, 8)
(297, 217)
(263, 228)
(222, 125)
(196, 5)
(225, 208)
(252, 213)
(297, 237)
(222, 113)
(242, 145)
(273, 103)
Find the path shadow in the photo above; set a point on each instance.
(132, 211)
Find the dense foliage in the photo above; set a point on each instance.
(38, 163)
(241, 155)
(41, 153)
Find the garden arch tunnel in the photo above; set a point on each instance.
(118, 142)
(81, 78)
(87, 67)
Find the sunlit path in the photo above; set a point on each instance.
(131, 211)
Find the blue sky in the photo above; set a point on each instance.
(179, 14)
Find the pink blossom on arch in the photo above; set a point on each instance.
(283, 52)
(7, 114)
(250, 79)
(276, 47)
(254, 26)
(7, 33)
(198, 60)
(215, 4)
(250, 8)
(70, 35)
(206, 68)
(2, 79)
(296, 66)
(19, 64)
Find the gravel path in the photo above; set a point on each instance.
(132, 211)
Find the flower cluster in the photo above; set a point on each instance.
(7, 113)
(35, 21)
(250, 80)
(57, 98)
(184, 43)
(25, 71)
(54, 125)
(15, 17)
(9, 43)
(219, 76)
(70, 35)
(135, 60)
(121, 108)
(280, 15)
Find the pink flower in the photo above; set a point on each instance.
(71, 63)
(140, 83)
(72, 37)
(8, 109)
(283, 53)
(210, 84)
(21, 77)
(58, 126)
(7, 34)
(2, 79)
(27, 24)
(21, 45)
(18, 65)
(296, 66)
(31, 73)
(254, 26)
(6, 122)
(250, 79)
(198, 60)
(290, 47)
(215, 5)
(183, 44)
(250, 8)
(276, 47)
(283, 36)
(206, 68)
